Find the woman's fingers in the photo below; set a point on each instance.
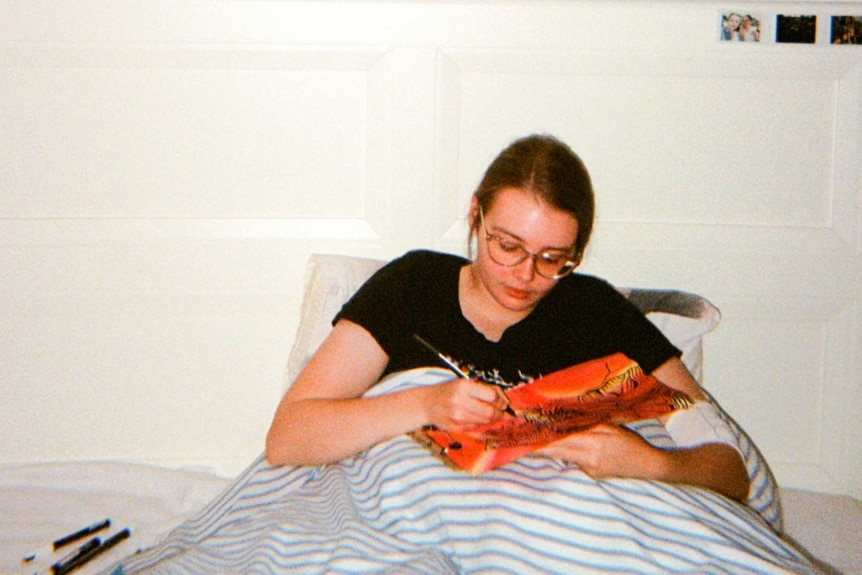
(463, 403)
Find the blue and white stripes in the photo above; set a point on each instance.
(398, 509)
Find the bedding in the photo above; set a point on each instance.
(397, 509)
(42, 502)
(39, 502)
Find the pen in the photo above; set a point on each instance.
(81, 533)
(67, 539)
(80, 560)
(451, 365)
(80, 551)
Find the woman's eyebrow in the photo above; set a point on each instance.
(516, 237)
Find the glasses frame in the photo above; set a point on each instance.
(567, 267)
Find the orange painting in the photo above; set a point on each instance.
(612, 389)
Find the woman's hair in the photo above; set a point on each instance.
(546, 167)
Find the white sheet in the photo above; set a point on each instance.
(827, 526)
(40, 503)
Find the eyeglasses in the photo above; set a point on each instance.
(550, 264)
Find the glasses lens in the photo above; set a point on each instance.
(553, 266)
(548, 264)
(562, 271)
(504, 252)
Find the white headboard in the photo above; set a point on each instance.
(167, 168)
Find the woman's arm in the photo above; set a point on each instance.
(717, 466)
(323, 418)
(611, 451)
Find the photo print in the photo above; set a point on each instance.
(796, 29)
(740, 27)
(846, 30)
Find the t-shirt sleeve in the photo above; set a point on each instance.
(641, 340)
(624, 328)
(385, 304)
(377, 303)
(660, 350)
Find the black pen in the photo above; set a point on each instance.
(458, 371)
(81, 533)
(79, 552)
(67, 539)
(80, 560)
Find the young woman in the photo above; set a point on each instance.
(515, 312)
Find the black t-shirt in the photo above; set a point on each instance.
(582, 318)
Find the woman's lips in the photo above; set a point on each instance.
(519, 294)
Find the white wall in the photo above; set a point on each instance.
(167, 167)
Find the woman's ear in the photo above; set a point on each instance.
(473, 215)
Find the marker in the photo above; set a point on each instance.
(458, 371)
(67, 539)
(81, 533)
(79, 552)
(80, 560)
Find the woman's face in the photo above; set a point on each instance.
(733, 22)
(522, 218)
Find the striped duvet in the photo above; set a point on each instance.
(398, 509)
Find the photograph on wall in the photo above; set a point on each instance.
(740, 27)
(796, 29)
(846, 30)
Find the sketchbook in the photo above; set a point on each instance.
(612, 389)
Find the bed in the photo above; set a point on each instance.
(396, 509)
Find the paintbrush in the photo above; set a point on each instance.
(457, 370)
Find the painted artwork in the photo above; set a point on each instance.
(612, 389)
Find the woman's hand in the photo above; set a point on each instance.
(462, 404)
(609, 451)
(324, 418)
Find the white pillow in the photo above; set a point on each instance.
(330, 280)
